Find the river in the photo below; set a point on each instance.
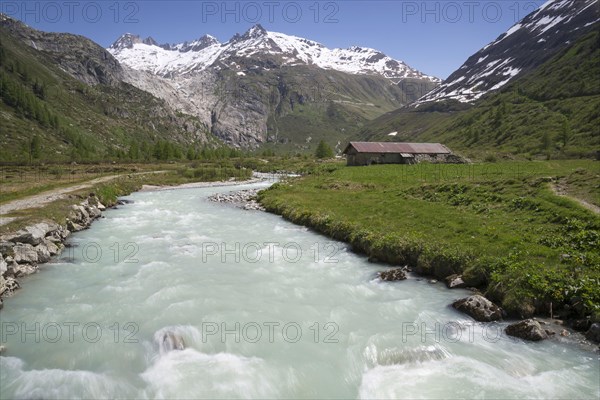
(266, 309)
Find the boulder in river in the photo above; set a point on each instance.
(74, 226)
(43, 253)
(397, 274)
(52, 247)
(528, 329)
(478, 307)
(581, 325)
(171, 341)
(6, 248)
(19, 270)
(593, 333)
(455, 282)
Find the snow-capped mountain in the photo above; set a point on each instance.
(525, 46)
(283, 50)
(265, 86)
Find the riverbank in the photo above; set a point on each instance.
(33, 240)
(475, 305)
(244, 199)
(256, 177)
(23, 252)
(497, 228)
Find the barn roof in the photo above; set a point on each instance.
(395, 147)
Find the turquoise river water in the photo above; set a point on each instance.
(266, 309)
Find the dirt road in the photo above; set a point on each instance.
(49, 196)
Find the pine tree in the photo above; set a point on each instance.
(2, 55)
(564, 136)
(35, 148)
(134, 151)
(39, 89)
(323, 150)
(176, 152)
(157, 152)
(145, 151)
(546, 141)
(191, 154)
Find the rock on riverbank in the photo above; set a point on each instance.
(478, 307)
(397, 274)
(529, 329)
(22, 252)
(245, 199)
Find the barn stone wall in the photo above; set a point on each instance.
(439, 158)
(353, 158)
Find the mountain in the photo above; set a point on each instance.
(267, 87)
(77, 55)
(257, 43)
(523, 48)
(551, 108)
(68, 92)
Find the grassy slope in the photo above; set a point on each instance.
(500, 224)
(529, 116)
(87, 122)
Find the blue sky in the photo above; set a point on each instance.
(435, 37)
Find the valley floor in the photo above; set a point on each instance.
(519, 231)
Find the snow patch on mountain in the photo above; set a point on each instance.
(178, 59)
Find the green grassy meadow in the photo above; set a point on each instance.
(499, 224)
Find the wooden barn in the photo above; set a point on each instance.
(367, 153)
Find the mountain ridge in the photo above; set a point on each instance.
(266, 87)
(514, 53)
(292, 50)
(81, 57)
(551, 111)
